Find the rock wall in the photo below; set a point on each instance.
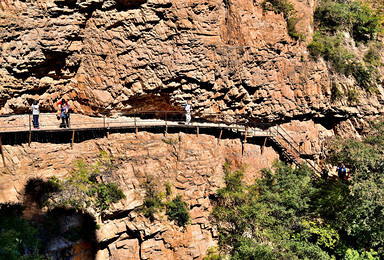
(226, 56)
(193, 165)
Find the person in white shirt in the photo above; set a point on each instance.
(35, 113)
(187, 109)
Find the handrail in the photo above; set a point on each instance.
(297, 149)
(175, 116)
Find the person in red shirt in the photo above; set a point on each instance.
(64, 113)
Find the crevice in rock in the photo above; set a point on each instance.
(117, 215)
(104, 244)
(123, 5)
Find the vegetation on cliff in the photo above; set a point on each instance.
(287, 214)
(176, 208)
(18, 237)
(288, 10)
(339, 22)
(85, 187)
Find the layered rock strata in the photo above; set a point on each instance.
(226, 56)
(192, 165)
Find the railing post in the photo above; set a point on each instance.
(73, 138)
(2, 155)
(30, 121)
(221, 132)
(245, 139)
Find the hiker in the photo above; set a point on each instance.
(35, 113)
(325, 173)
(61, 102)
(187, 109)
(342, 172)
(64, 113)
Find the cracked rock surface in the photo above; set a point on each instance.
(121, 55)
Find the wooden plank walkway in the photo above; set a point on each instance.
(14, 125)
(49, 123)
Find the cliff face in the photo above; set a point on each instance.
(120, 55)
(226, 56)
(192, 165)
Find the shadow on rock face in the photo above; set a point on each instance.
(60, 232)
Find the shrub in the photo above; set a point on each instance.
(373, 55)
(336, 94)
(354, 17)
(213, 253)
(336, 17)
(287, 9)
(168, 189)
(353, 95)
(153, 200)
(84, 187)
(177, 210)
(343, 61)
(107, 194)
(19, 239)
(171, 141)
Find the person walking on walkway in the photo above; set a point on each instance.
(187, 109)
(64, 116)
(35, 113)
(64, 113)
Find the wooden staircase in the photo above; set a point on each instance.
(289, 148)
(286, 150)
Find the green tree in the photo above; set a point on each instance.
(19, 239)
(363, 216)
(268, 219)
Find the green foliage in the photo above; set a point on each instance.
(287, 9)
(168, 189)
(18, 237)
(342, 60)
(353, 96)
(333, 19)
(107, 194)
(373, 55)
(84, 187)
(267, 220)
(362, 218)
(336, 94)
(289, 215)
(171, 141)
(352, 254)
(153, 200)
(213, 253)
(325, 236)
(177, 210)
(355, 17)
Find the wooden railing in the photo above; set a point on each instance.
(48, 121)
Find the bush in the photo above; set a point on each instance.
(333, 18)
(343, 61)
(107, 194)
(354, 17)
(177, 210)
(153, 200)
(336, 94)
(287, 9)
(19, 239)
(84, 187)
(168, 189)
